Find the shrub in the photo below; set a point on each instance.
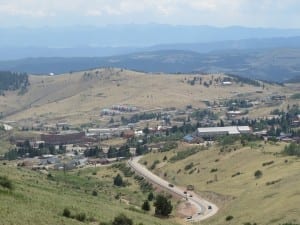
(152, 167)
(146, 206)
(228, 218)
(236, 174)
(273, 182)
(213, 170)
(6, 183)
(118, 181)
(80, 217)
(189, 166)
(122, 220)
(67, 213)
(258, 174)
(267, 163)
(94, 193)
(150, 196)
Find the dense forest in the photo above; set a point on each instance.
(13, 81)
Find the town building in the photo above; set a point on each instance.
(64, 137)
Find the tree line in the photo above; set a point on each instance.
(10, 81)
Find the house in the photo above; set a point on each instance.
(232, 114)
(227, 83)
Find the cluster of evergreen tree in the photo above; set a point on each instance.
(93, 152)
(13, 81)
(26, 150)
(123, 151)
(204, 113)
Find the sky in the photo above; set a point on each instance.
(250, 13)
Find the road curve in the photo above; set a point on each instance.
(205, 208)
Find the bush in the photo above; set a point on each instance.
(228, 218)
(152, 167)
(118, 181)
(94, 193)
(67, 213)
(146, 206)
(267, 163)
(213, 170)
(80, 217)
(6, 183)
(150, 196)
(189, 166)
(273, 182)
(258, 174)
(122, 220)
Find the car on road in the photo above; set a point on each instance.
(189, 217)
(191, 195)
(171, 185)
(209, 207)
(185, 192)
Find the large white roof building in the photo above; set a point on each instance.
(217, 131)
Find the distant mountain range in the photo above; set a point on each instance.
(131, 35)
(10, 53)
(263, 53)
(266, 64)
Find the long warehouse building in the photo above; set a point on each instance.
(218, 131)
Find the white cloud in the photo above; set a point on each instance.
(211, 12)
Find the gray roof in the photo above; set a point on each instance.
(226, 130)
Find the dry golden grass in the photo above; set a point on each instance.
(74, 98)
(244, 197)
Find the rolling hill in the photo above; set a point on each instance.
(71, 95)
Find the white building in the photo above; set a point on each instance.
(218, 131)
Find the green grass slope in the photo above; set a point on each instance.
(39, 199)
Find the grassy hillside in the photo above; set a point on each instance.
(79, 97)
(226, 176)
(41, 199)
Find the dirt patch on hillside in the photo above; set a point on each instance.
(185, 209)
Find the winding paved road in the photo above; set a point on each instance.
(205, 208)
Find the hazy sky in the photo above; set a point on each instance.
(253, 13)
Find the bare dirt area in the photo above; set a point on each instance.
(185, 209)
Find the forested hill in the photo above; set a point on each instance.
(13, 81)
(276, 65)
